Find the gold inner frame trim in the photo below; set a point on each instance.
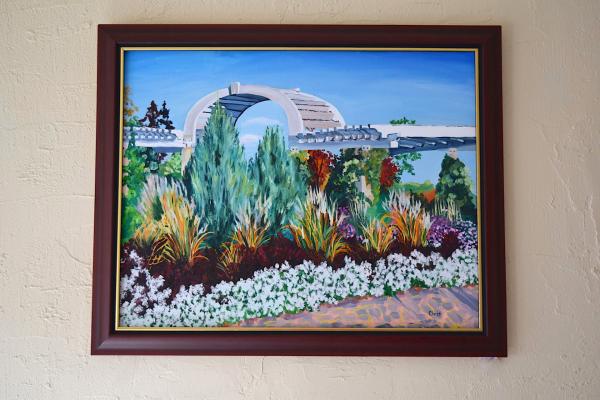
(313, 329)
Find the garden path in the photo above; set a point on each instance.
(415, 308)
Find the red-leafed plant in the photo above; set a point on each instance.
(387, 177)
(320, 164)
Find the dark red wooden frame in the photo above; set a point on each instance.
(490, 342)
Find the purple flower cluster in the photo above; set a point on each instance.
(346, 228)
(467, 234)
(442, 226)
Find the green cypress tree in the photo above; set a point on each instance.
(275, 175)
(455, 184)
(216, 176)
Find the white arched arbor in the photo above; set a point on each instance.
(304, 112)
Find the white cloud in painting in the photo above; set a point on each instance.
(250, 138)
(264, 121)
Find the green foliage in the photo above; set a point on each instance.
(403, 121)
(347, 170)
(130, 221)
(415, 187)
(455, 184)
(372, 168)
(134, 176)
(274, 177)
(404, 163)
(301, 164)
(171, 168)
(216, 176)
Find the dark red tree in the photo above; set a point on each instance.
(388, 174)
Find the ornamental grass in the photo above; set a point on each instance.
(181, 238)
(316, 226)
(410, 222)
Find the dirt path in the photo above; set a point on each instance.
(416, 308)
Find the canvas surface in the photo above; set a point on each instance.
(299, 189)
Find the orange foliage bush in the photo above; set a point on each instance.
(429, 195)
(320, 164)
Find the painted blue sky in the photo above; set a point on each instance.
(434, 88)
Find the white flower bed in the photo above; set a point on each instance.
(286, 289)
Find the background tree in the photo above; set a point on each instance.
(150, 120)
(373, 160)
(320, 164)
(346, 172)
(300, 158)
(164, 120)
(404, 162)
(140, 162)
(274, 177)
(156, 118)
(216, 176)
(403, 121)
(455, 184)
(388, 174)
(129, 108)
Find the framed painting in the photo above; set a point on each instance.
(299, 190)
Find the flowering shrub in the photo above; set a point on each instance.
(440, 226)
(285, 289)
(464, 231)
(467, 234)
(346, 228)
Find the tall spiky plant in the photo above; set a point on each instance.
(252, 225)
(216, 175)
(410, 221)
(250, 233)
(181, 238)
(376, 234)
(275, 177)
(316, 226)
(446, 208)
(151, 209)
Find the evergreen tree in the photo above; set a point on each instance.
(216, 176)
(165, 121)
(151, 118)
(274, 175)
(455, 184)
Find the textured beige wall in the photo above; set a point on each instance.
(552, 151)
